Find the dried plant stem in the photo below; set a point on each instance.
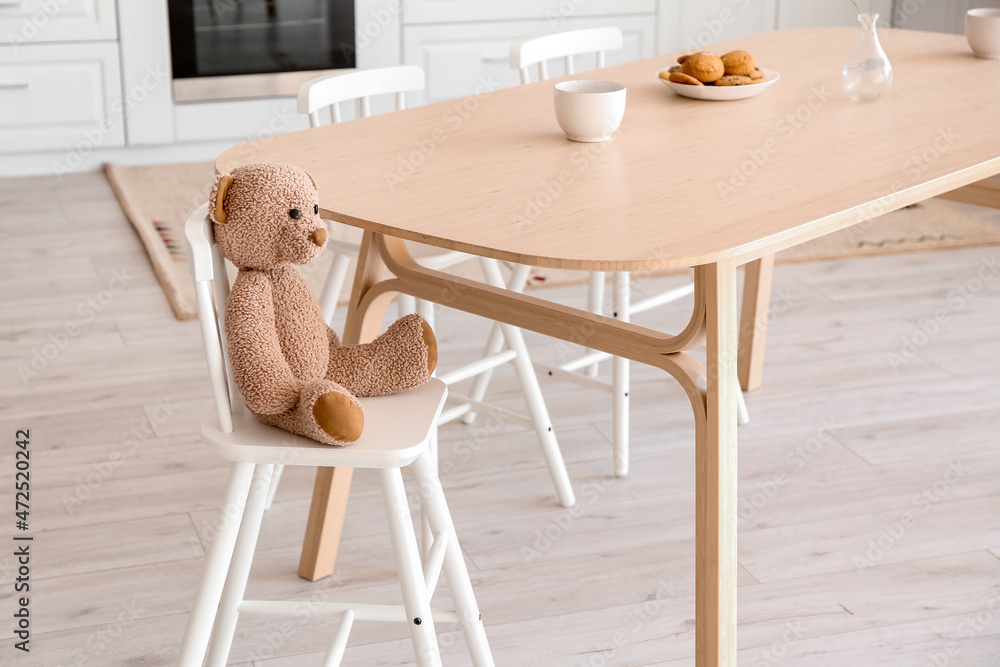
(857, 6)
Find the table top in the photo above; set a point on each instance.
(683, 182)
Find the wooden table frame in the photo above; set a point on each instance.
(711, 391)
(733, 347)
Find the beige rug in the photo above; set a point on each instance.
(158, 200)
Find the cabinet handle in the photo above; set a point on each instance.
(22, 85)
(495, 57)
(11, 5)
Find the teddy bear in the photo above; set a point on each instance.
(288, 364)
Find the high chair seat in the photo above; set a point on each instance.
(397, 430)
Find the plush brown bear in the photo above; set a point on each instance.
(288, 364)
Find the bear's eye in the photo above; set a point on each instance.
(293, 214)
(316, 209)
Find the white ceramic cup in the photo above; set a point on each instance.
(982, 29)
(589, 110)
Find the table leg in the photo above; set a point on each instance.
(983, 193)
(333, 485)
(753, 321)
(715, 466)
(326, 520)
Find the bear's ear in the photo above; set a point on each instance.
(218, 198)
(312, 179)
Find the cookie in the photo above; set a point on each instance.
(681, 59)
(740, 63)
(734, 80)
(705, 67)
(757, 74)
(680, 77)
(675, 68)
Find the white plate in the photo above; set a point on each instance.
(721, 93)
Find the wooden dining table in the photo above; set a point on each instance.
(683, 183)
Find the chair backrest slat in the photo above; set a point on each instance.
(359, 85)
(221, 289)
(563, 45)
(209, 271)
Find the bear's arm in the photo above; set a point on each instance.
(259, 367)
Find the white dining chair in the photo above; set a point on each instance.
(397, 433)
(328, 92)
(583, 370)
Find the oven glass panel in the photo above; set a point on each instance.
(226, 37)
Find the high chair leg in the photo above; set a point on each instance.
(239, 568)
(220, 554)
(411, 578)
(426, 535)
(454, 568)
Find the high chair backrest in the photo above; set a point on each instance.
(211, 284)
(329, 91)
(563, 45)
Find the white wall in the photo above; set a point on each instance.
(686, 25)
(936, 15)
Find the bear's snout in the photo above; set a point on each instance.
(318, 237)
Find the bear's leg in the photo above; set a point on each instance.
(326, 412)
(402, 358)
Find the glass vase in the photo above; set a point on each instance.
(867, 74)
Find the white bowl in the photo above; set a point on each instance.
(982, 30)
(589, 111)
(722, 93)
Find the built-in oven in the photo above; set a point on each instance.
(226, 49)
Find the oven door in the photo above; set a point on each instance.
(226, 38)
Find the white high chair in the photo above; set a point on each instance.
(328, 92)
(583, 370)
(397, 432)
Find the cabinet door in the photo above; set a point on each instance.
(799, 14)
(468, 58)
(447, 11)
(694, 26)
(40, 21)
(61, 97)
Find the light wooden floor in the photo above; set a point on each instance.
(842, 450)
